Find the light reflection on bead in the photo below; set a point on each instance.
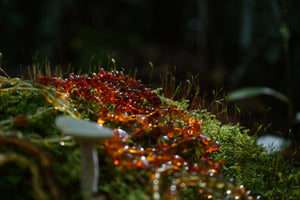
(100, 121)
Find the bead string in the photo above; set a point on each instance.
(139, 113)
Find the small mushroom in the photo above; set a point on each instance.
(273, 143)
(87, 134)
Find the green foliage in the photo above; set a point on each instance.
(31, 113)
(268, 175)
(123, 183)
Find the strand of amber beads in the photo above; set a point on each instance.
(177, 148)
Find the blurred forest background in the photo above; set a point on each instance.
(228, 44)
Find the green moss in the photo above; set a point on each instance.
(15, 103)
(268, 175)
(30, 113)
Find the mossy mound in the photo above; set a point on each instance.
(28, 111)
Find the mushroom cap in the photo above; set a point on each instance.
(273, 143)
(82, 129)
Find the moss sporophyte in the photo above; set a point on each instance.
(158, 151)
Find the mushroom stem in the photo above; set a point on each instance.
(86, 134)
(89, 168)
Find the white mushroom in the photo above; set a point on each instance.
(273, 143)
(87, 134)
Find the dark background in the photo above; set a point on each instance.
(229, 44)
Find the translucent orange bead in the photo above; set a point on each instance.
(116, 162)
(100, 121)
